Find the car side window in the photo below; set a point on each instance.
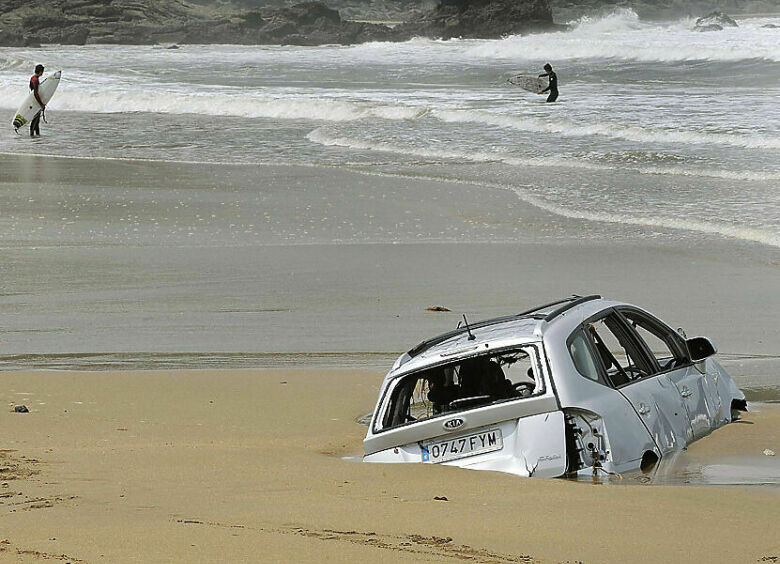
(581, 355)
(663, 343)
(619, 354)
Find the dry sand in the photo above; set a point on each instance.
(246, 466)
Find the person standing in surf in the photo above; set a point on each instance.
(35, 82)
(553, 86)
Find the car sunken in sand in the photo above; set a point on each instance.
(583, 385)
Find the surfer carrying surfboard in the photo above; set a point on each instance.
(553, 86)
(35, 81)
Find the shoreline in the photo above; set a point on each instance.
(755, 376)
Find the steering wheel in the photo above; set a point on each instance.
(635, 370)
(522, 387)
(463, 402)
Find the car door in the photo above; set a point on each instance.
(598, 413)
(695, 390)
(637, 376)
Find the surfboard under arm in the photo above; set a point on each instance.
(529, 82)
(30, 107)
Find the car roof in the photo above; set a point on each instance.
(500, 332)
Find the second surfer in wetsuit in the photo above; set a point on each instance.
(35, 124)
(553, 87)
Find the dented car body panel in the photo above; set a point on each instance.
(584, 385)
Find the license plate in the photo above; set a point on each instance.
(453, 448)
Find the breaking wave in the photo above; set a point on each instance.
(620, 35)
(618, 20)
(237, 104)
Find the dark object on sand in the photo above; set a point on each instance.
(437, 308)
(21, 409)
(440, 498)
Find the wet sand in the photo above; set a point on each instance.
(246, 466)
(137, 257)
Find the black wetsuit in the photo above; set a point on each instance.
(35, 124)
(553, 87)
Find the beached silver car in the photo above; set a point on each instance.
(584, 385)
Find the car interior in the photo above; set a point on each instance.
(466, 384)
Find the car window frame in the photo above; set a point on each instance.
(679, 342)
(580, 330)
(634, 342)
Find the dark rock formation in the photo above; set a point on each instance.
(309, 23)
(708, 27)
(480, 19)
(714, 21)
(143, 22)
(571, 10)
(11, 38)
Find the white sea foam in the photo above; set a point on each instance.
(322, 137)
(629, 133)
(622, 36)
(226, 103)
(733, 231)
(617, 21)
(686, 223)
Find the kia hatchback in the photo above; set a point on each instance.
(583, 385)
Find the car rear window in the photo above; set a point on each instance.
(462, 385)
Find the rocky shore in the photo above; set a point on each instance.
(141, 22)
(568, 10)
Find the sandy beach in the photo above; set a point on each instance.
(247, 466)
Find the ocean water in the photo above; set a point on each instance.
(657, 125)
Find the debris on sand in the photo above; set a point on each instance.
(437, 308)
(21, 409)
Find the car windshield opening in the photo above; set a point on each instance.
(465, 384)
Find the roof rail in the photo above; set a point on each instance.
(563, 309)
(528, 313)
(449, 334)
(563, 301)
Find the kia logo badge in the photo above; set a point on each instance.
(453, 424)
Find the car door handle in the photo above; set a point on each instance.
(643, 409)
(685, 392)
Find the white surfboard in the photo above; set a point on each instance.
(529, 82)
(30, 106)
